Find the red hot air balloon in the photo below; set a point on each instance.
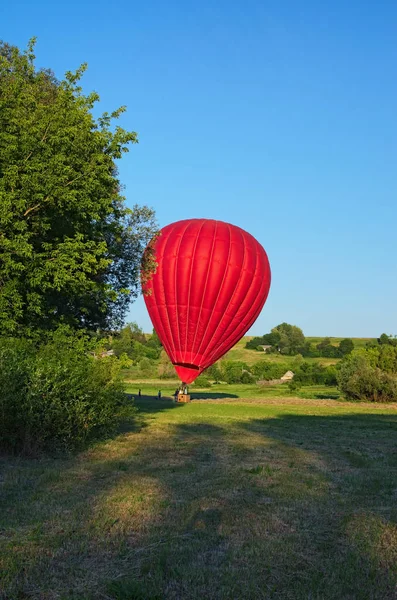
(211, 282)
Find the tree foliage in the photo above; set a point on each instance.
(387, 340)
(57, 395)
(291, 338)
(370, 374)
(284, 338)
(70, 248)
(346, 346)
(327, 349)
(214, 372)
(132, 342)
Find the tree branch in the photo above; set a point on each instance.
(42, 140)
(32, 208)
(75, 179)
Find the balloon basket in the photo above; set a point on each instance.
(183, 398)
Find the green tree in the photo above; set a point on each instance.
(165, 368)
(132, 341)
(153, 346)
(233, 371)
(361, 378)
(346, 346)
(136, 332)
(291, 338)
(297, 361)
(154, 340)
(147, 368)
(268, 370)
(269, 339)
(313, 373)
(70, 249)
(309, 350)
(327, 349)
(123, 343)
(385, 339)
(255, 343)
(388, 358)
(214, 372)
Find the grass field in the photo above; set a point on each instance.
(217, 499)
(167, 388)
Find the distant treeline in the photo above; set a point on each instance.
(305, 372)
(289, 340)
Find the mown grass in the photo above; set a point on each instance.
(241, 499)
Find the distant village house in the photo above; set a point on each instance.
(266, 348)
(288, 376)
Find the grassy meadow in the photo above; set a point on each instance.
(358, 342)
(266, 498)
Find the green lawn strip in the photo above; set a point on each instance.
(232, 391)
(214, 499)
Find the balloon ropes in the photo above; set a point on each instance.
(210, 284)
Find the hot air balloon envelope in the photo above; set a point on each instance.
(211, 282)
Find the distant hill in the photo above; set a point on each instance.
(358, 342)
(239, 352)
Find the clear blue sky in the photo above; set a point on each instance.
(280, 117)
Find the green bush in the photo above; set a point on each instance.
(294, 386)
(202, 382)
(214, 373)
(165, 368)
(233, 371)
(313, 373)
(147, 368)
(331, 375)
(267, 370)
(360, 378)
(246, 377)
(125, 361)
(57, 396)
(16, 357)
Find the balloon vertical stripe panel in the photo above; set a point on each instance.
(211, 282)
(234, 286)
(252, 306)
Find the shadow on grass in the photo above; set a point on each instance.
(153, 404)
(211, 395)
(298, 506)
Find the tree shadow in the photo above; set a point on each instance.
(289, 507)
